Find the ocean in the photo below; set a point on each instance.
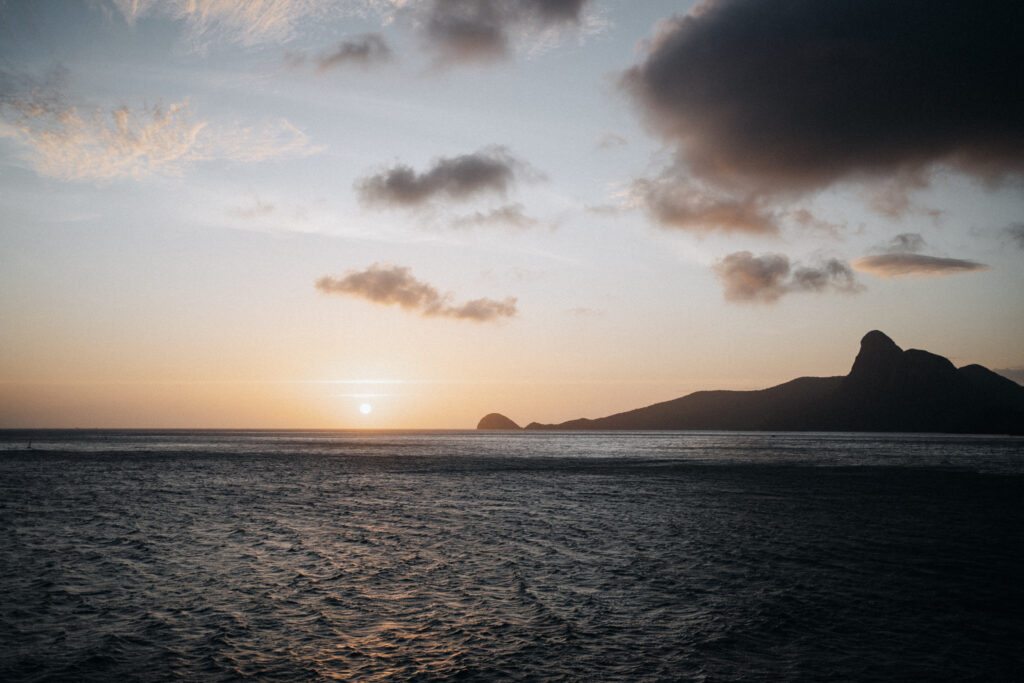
(610, 556)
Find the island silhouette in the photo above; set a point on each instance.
(887, 390)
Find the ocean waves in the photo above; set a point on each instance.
(482, 559)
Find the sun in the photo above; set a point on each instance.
(365, 408)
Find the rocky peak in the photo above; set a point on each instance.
(878, 358)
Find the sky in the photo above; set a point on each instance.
(412, 213)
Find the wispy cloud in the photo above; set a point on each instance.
(247, 22)
(810, 221)
(766, 278)
(362, 51)
(391, 285)
(455, 31)
(491, 170)
(900, 257)
(71, 143)
(510, 215)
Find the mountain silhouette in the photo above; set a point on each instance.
(496, 421)
(887, 390)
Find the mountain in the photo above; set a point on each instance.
(887, 390)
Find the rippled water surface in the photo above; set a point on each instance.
(588, 556)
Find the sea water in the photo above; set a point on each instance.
(510, 556)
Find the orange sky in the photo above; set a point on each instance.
(223, 218)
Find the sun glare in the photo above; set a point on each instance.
(365, 408)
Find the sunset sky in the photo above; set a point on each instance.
(268, 213)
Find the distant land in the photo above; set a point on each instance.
(887, 390)
(496, 421)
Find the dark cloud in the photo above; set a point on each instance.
(674, 203)
(394, 285)
(890, 266)
(363, 50)
(900, 257)
(766, 278)
(480, 30)
(783, 96)
(466, 30)
(510, 215)
(487, 171)
(1016, 233)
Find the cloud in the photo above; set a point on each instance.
(891, 266)
(1016, 233)
(363, 51)
(247, 22)
(900, 258)
(777, 96)
(768, 100)
(461, 31)
(766, 278)
(892, 198)
(63, 141)
(457, 31)
(490, 170)
(808, 220)
(391, 285)
(510, 215)
(675, 203)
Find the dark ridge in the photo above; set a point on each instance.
(887, 390)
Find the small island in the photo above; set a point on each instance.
(496, 421)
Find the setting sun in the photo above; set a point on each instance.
(365, 408)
